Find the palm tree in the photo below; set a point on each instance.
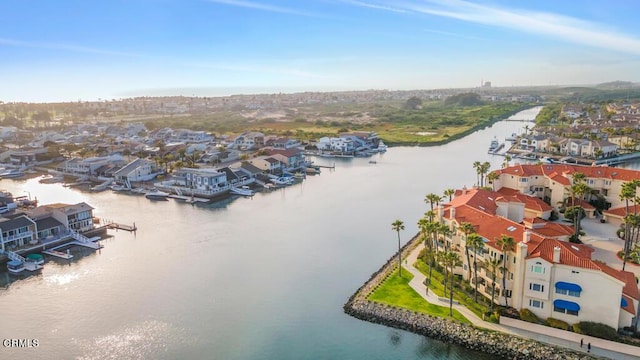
(423, 225)
(475, 242)
(628, 192)
(430, 215)
(579, 190)
(505, 243)
(397, 226)
(450, 260)
(492, 177)
(505, 163)
(484, 170)
(445, 231)
(493, 264)
(476, 166)
(467, 229)
(432, 199)
(449, 193)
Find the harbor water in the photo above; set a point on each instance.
(243, 278)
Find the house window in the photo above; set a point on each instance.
(524, 180)
(536, 287)
(538, 269)
(569, 289)
(568, 292)
(536, 304)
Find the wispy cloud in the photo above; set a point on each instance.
(254, 68)
(447, 33)
(262, 7)
(60, 46)
(374, 6)
(560, 27)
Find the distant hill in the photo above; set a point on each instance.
(616, 85)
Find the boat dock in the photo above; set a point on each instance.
(58, 254)
(66, 255)
(124, 227)
(189, 199)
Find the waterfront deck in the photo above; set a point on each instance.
(124, 227)
(189, 199)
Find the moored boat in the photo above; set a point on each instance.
(15, 266)
(155, 194)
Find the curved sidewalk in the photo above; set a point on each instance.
(599, 347)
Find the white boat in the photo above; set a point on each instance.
(381, 146)
(118, 187)
(494, 145)
(282, 181)
(155, 194)
(51, 179)
(11, 174)
(244, 191)
(15, 266)
(512, 138)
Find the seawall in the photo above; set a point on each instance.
(501, 345)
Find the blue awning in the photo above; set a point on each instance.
(568, 286)
(623, 302)
(569, 305)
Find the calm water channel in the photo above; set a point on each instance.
(261, 278)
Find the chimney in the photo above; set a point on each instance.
(526, 236)
(556, 254)
(464, 190)
(440, 212)
(452, 213)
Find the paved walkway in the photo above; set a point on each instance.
(599, 347)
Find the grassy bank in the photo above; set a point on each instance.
(395, 291)
(434, 123)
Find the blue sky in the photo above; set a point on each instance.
(67, 50)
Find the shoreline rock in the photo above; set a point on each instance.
(499, 344)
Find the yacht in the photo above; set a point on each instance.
(15, 266)
(381, 146)
(155, 194)
(494, 145)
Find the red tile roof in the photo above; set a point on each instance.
(562, 172)
(622, 211)
(629, 308)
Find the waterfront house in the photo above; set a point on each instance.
(337, 144)
(544, 273)
(48, 226)
(27, 157)
(282, 143)
(87, 167)
(267, 164)
(77, 217)
(7, 202)
(137, 170)
(249, 140)
(292, 158)
(17, 231)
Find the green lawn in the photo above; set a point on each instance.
(438, 288)
(396, 291)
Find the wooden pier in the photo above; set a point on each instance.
(124, 227)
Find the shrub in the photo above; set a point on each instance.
(558, 324)
(595, 329)
(528, 316)
(494, 319)
(510, 312)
